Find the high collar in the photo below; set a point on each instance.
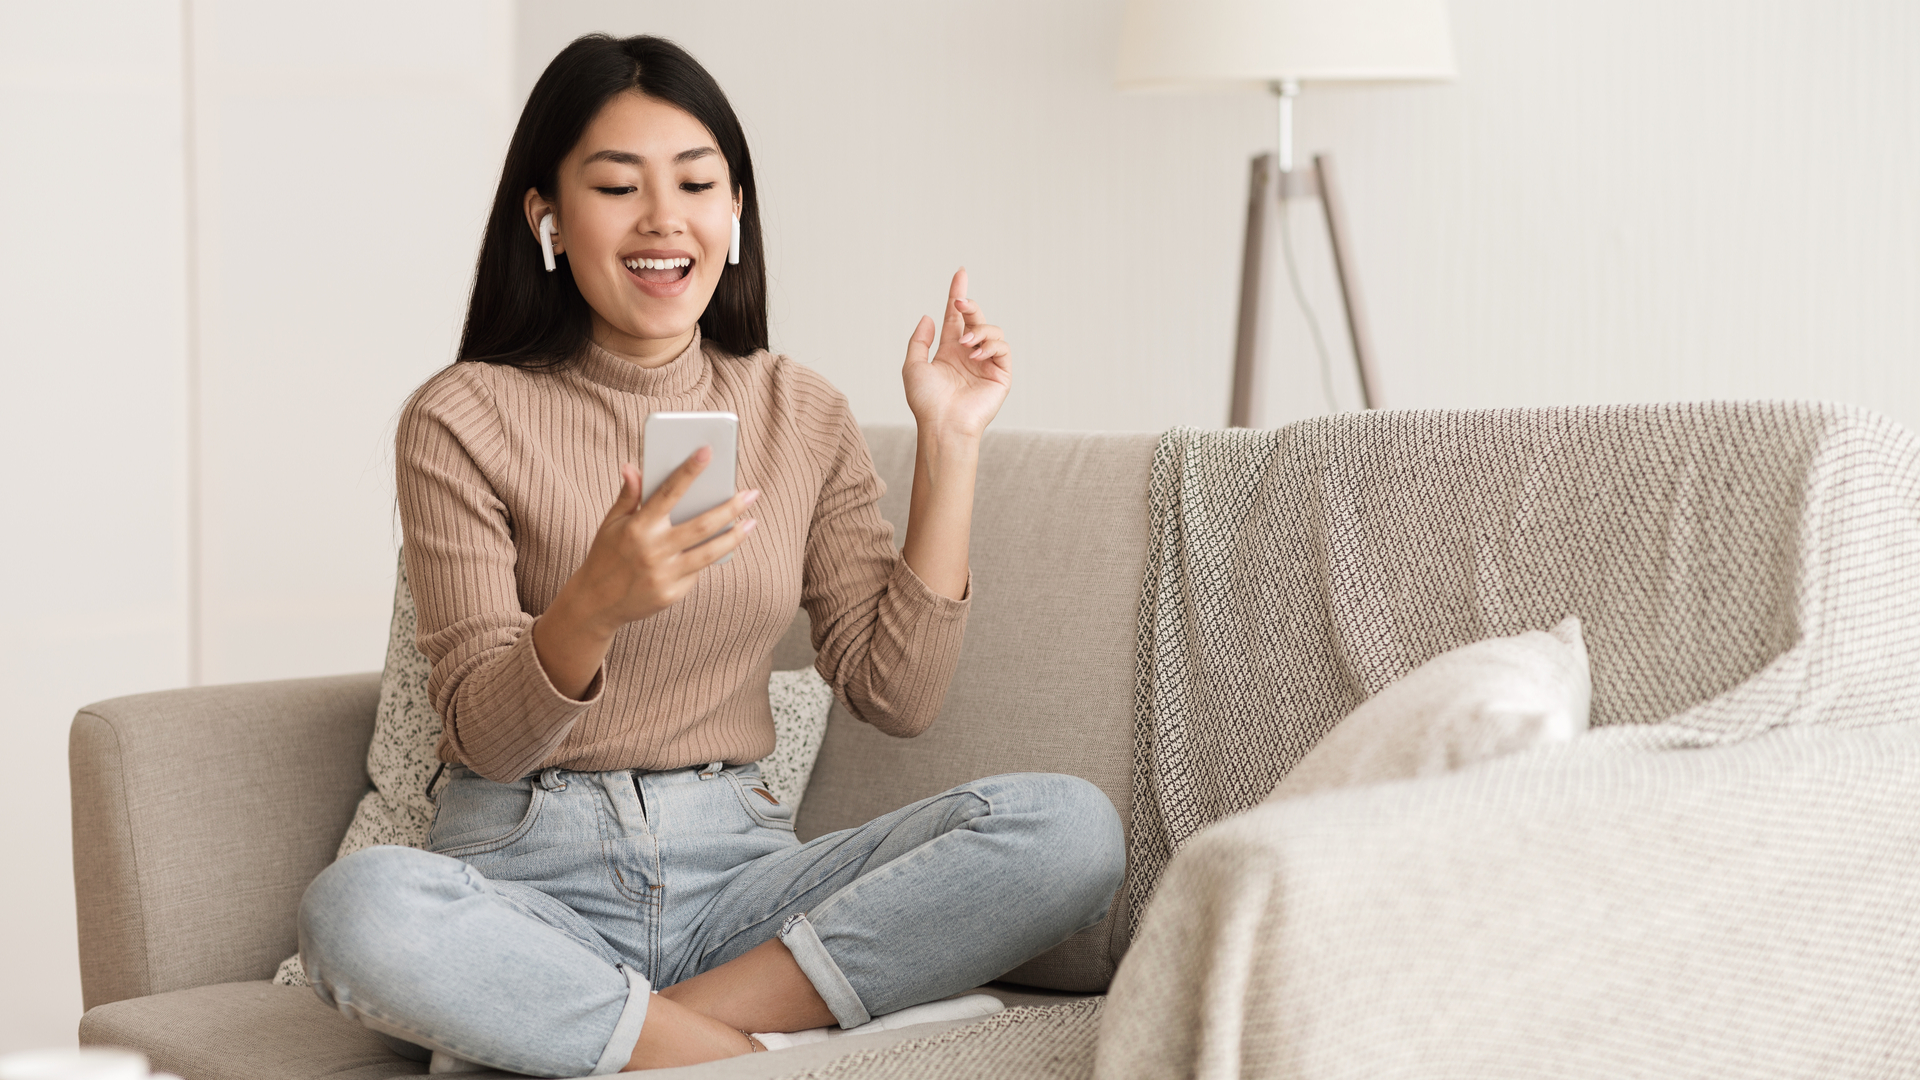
(685, 374)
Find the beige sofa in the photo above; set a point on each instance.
(201, 815)
(1717, 882)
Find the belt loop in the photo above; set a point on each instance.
(551, 780)
(712, 769)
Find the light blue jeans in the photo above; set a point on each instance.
(529, 934)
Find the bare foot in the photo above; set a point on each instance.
(676, 1035)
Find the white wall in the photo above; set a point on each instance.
(894, 142)
(347, 153)
(343, 154)
(1621, 202)
(1644, 201)
(92, 428)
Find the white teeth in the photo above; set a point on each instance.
(657, 264)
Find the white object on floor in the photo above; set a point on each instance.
(79, 1063)
(443, 1062)
(971, 1007)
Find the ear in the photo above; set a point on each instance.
(537, 206)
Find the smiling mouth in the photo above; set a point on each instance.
(659, 271)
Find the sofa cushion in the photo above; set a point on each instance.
(1045, 680)
(258, 1031)
(1467, 705)
(245, 1031)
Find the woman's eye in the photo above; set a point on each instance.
(708, 186)
(616, 190)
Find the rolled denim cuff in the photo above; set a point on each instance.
(626, 1033)
(822, 972)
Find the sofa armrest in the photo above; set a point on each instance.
(1588, 911)
(199, 817)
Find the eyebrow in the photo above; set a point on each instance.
(625, 157)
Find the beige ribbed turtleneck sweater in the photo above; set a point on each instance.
(504, 477)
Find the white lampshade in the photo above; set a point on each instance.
(1170, 43)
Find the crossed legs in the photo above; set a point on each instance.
(917, 905)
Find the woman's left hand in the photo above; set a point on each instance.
(959, 387)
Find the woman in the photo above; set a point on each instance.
(607, 886)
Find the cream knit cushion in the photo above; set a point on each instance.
(1473, 703)
(403, 756)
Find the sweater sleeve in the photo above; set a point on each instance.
(501, 715)
(886, 642)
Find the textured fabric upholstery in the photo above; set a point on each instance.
(199, 816)
(1717, 881)
(1577, 912)
(1044, 682)
(246, 1031)
(1735, 566)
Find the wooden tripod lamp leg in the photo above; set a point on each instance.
(1267, 192)
(1246, 345)
(1349, 282)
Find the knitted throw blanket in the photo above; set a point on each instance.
(1737, 567)
(1597, 911)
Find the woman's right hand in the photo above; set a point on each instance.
(640, 563)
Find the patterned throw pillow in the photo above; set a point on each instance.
(403, 756)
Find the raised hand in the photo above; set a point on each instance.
(958, 387)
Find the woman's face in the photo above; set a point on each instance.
(645, 213)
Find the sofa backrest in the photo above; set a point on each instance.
(1045, 681)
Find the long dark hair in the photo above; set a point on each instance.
(521, 315)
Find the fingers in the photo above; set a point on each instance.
(699, 558)
(995, 352)
(953, 324)
(668, 494)
(628, 499)
(984, 338)
(695, 529)
(964, 324)
(921, 343)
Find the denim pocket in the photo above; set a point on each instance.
(762, 805)
(476, 815)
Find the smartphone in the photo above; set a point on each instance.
(669, 439)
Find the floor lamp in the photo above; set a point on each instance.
(1279, 44)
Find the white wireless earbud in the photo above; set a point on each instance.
(733, 249)
(546, 240)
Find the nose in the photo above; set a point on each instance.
(660, 215)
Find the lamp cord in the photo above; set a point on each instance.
(1300, 300)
